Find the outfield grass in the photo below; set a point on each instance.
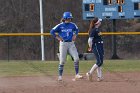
(30, 68)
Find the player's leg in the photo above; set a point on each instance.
(99, 74)
(100, 55)
(90, 73)
(63, 53)
(73, 52)
(95, 66)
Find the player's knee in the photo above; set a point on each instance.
(76, 63)
(100, 64)
(62, 63)
(76, 59)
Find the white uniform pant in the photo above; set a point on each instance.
(64, 49)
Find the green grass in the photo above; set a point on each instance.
(30, 68)
(122, 65)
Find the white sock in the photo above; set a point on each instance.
(94, 67)
(60, 77)
(99, 72)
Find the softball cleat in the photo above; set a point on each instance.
(99, 79)
(78, 76)
(60, 78)
(89, 76)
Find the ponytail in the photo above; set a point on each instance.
(62, 20)
(92, 24)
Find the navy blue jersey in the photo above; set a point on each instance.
(96, 35)
(65, 30)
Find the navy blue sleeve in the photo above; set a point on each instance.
(92, 33)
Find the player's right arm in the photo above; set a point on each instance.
(54, 32)
(90, 39)
(59, 38)
(90, 43)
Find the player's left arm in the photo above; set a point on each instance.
(90, 43)
(54, 32)
(75, 33)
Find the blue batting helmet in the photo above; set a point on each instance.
(67, 15)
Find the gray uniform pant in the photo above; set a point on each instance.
(67, 47)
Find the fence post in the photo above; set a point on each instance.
(114, 43)
(8, 48)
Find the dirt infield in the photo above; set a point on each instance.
(113, 83)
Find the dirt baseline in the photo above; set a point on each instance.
(113, 83)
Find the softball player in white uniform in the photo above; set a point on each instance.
(67, 32)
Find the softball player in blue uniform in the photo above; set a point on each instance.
(67, 32)
(95, 43)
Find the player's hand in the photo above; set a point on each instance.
(59, 39)
(89, 49)
(74, 38)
